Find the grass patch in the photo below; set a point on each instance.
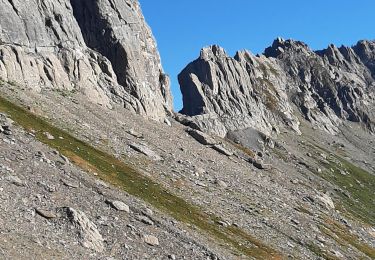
(268, 93)
(343, 237)
(304, 210)
(121, 175)
(319, 252)
(358, 196)
(359, 185)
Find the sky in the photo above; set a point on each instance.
(183, 27)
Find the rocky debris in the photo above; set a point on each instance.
(23, 208)
(201, 137)
(167, 122)
(151, 240)
(221, 149)
(256, 202)
(261, 165)
(5, 129)
(104, 50)
(45, 214)
(326, 201)
(65, 159)
(5, 124)
(118, 205)
(221, 184)
(201, 184)
(70, 184)
(146, 220)
(321, 239)
(222, 94)
(337, 254)
(89, 233)
(16, 181)
(142, 148)
(200, 171)
(135, 133)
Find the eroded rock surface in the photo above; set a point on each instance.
(101, 48)
(268, 92)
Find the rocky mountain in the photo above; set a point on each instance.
(270, 91)
(251, 173)
(102, 48)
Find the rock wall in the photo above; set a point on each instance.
(270, 91)
(103, 48)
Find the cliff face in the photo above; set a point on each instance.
(102, 48)
(269, 91)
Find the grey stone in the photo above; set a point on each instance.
(200, 171)
(259, 164)
(201, 137)
(90, 236)
(222, 184)
(167, 122)
(134, 133)
(151, 240)
(119, 205)
(16, 181)
(146, 220)
(70, 184)
(221, 149)
(142, 148)
(326, 201)
(45, 214)
(49, 136)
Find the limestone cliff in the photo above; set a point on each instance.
(102, 48)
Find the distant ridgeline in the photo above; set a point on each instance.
(269, 92)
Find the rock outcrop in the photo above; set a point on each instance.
(89, 233)
(268, 92)
(102, 48)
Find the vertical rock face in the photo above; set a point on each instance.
(102, 48)
(269, 91)
(236, 93)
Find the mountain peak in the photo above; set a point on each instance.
(262, 93)
(212, 52)
(279, 46)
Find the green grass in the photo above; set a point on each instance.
(358, 184)
(121, 175)
(358, 196)
(343, 237)
(321, 253)
(303, 209)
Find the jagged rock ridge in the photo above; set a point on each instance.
(268, 92)
(103, 48)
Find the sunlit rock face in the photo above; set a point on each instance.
(272, 91)
(101, 48)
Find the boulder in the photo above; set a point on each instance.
(89, 233)
(144, 149)
(201, 137)
(221, 149)
(118, 205)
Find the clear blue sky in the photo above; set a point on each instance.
(183, 27)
